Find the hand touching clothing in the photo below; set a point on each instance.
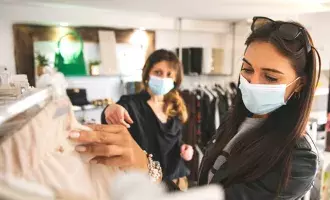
(117, 114)
(112, 145)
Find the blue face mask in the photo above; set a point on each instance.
(262, 99)
(160, 86)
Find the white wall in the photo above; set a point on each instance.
(197, 33)
(317, 25)
(6, 45)
(170, 40)
(242, 30)
(83, 16)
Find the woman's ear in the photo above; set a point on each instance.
(175, 85)
(301, 83)
(147, 79)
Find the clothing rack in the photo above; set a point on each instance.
(27, 101)
(213, 101)
(191, 82)
(206, 105)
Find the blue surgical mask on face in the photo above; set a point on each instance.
(262, 99)
(160, 86)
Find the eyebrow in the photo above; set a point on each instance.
(264, 69)
(244, 59)
(272, 70)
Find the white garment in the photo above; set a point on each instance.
(217, 114)
(140, 188)
(17, 189)
(42, 152)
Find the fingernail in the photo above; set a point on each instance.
(81, 148)
(128, 126)
(93, 162)
(74, 135)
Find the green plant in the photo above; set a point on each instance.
(42, 60)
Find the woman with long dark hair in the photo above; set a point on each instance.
(262, 144)
(261, 150)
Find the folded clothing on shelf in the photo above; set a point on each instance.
(12, 90)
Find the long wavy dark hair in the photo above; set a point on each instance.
(272, 143)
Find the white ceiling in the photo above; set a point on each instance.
(201, 9)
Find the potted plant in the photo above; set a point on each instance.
(94, 67)
(41, 61)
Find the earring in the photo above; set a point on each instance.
(297, 95)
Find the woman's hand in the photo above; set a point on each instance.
(187, 152)
(116, 114)
(112, 145)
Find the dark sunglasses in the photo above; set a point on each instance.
(285, 30)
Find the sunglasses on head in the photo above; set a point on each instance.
(286, 31)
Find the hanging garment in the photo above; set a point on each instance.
(208, 118)
(205, 112)
(222, 104)
(217, 115)
(198, 95)
(41, 152)
(189, 133)
(233, 91)
(211, 122)
(17, 189)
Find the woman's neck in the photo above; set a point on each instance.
(156, 98)
(260, 116)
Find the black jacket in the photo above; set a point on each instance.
(161, 140)
(304, 167)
